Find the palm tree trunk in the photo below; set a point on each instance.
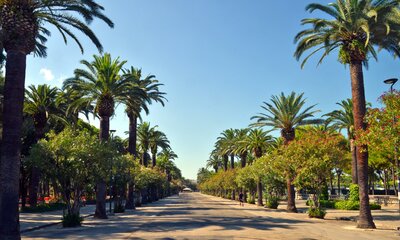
(11, 144)
(101, 184)
(232, 161)
(291, 205)
(35, 171)
(354, 175)
(259, 193)
(132, 134)
(154, 158)
(225, 162)
(243, 159)
(359, 109)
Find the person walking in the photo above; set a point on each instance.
(241, 199)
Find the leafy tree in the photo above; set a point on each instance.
(23, 31)
(286, 113)
(103, 86)
(142, 93)
(356, 28)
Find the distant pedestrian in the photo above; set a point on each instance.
(241, 200)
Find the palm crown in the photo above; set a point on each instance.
(357, 26)
(285, 113)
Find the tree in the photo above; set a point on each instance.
(257, 141)
(145, 132)
(102, 86)
(142, 93)
(357, 28)
(41, 105)
(158, 139)
(227, 145)
(343, 119)
(240, 136)
(23, 31)
(214, 162)
(286, 113)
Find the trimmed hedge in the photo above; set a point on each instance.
(354, 205)
(316, 213)
(44, 208)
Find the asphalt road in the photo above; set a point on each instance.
(197, 216)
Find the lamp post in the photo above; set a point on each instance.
(392, 82)
(111, 138)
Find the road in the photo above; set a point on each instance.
(197, 216)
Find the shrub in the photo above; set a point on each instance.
(44, 208)
(72, 220)
(375, 206)
(272, 202)
(251, 200)
(327, 203)
(119, 208)
(316, 212)
(354, 193)
(347, 205)
(324, 193)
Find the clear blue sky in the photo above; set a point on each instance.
(219, 60)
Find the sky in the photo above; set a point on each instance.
(218, 61)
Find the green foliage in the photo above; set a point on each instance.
(314, 212)
(71, 220)
(324, 193)
(119, 208)
(347, 51)
(354, 194)
(347, 205)
(251, 200)
(272, 202)
(375, 206)
(44, 208)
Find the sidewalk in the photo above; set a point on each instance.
(387, 218)
(31, 221)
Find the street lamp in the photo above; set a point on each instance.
(392, 81)
(112, 131)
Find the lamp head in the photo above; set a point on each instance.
(113, 131)
(391, 81)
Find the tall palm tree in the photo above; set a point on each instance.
(144, 91)
(343, 119)
(22, 32)
(102, 86)
(214, 162)
(145, 132)
(285, 113)
(41, 105)
(258, 142)
(357, 28)
(158, 139)
(227, 145)
(240, 136)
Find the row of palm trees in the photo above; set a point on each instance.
(97, 89)
(285, 113)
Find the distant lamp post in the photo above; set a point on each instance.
(392, 82)
(112, 131)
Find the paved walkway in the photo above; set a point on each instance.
(197, 216)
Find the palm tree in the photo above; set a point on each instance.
(23, 32)
(158, 139)
(145, 133)
(143, 92)
(285, 113)
(258, 142)
(214, 162)
(357, 28)
(41, 105)
(102, 86)
(227, 140)
(343, 119)
(240, 136)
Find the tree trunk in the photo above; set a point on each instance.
(354, 174)
(259, 193)
(338, 183)
(101, 184)
(132, 134)
(225, 162)
(100, 200)
(232, 161)
(154, 158)
(11, 144)
(359, 109)
(243, 159)
(34, 186)
(385, 181)
(291, 204)
(130, 202)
